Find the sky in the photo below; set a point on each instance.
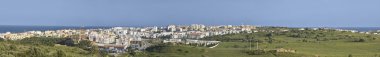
(292, 13)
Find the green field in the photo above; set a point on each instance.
(323, 49)
(311, 43)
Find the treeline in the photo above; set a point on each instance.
(241, 37)
(326, 35)
(47, 41)
(317, 35)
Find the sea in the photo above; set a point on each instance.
(361, 29)
(18, 29)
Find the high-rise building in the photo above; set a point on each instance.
(197, 27)
(172, 28)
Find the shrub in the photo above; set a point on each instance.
(350, 55)
(1, 39)
(41, 41)
(236, 46)
(358, 40)
(256, 52)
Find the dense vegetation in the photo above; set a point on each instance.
(47, 47)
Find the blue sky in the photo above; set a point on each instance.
(295, 13)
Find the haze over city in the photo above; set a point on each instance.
(293, 13)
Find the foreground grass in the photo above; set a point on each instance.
(322, 49)
(338, 49)
(18, 49)
(226, 49)
(204, 52)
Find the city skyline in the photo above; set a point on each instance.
(292, 13)
(189, 28)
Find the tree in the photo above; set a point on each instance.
(85, 44)
(270, 37)
(1, 39)
(236, 46)
(67, 41)
(361, 40)
(304, 40)
(256, 52)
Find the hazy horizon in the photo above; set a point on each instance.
(289, 13)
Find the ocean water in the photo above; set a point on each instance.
(18, 29)
(363, 29)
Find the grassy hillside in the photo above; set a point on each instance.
(324, 43)
(41, 47)
(190, 51)
(307, 43)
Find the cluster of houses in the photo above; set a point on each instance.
(117, 39)
(121, 38)
(58, 34)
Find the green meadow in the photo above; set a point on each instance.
(308, 43)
